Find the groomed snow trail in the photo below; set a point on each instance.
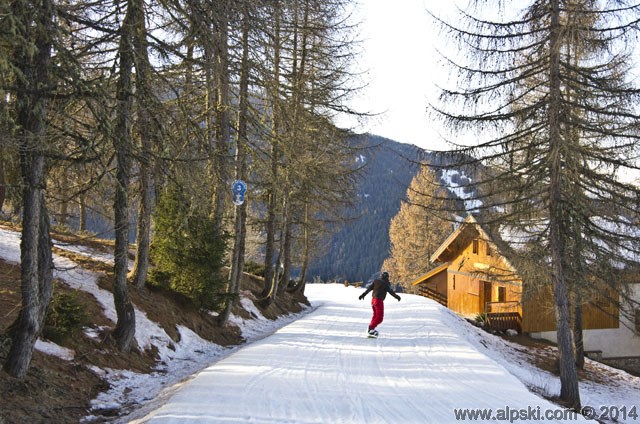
(323, 369)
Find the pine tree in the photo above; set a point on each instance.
(418, 228)
(31, 64)
(547, 92)
(188, 251)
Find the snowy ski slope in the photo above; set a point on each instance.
(323, 369)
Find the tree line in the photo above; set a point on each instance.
(159, 105)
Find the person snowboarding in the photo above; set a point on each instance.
(380, 287)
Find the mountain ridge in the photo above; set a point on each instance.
(359, 247)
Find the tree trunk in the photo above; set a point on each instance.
(569, 390)
(223, 133)
(274, 158)
(577, 331)
(125, 327)
(145, 97)
(210, 111)
(300, 285)
(143, 231)
(277, 272)
(37, 291)
(45, 261)
(286, 252)
(3, 189)
(270, 243)
(298, 73)
(278, 278)
(64, 202)
(237, 261)
(83, 212)
(35, 248)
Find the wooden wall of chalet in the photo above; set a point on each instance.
(539, 313)
(468, 293)
(437, 283)
(463, 294)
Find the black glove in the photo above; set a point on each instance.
(398, 297)
(361, 297)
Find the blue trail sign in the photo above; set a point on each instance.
(238, 188)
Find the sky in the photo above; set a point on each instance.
(402, 67)
(400, 64)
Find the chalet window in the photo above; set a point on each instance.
(502, 294)
(454, 282)
(488, 248)
(475, 247)
(638, 320)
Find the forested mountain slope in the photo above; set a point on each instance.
(360, 246)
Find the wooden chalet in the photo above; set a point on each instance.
(473, 278)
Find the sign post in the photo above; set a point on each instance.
(238, 188)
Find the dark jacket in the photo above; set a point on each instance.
(380, 288)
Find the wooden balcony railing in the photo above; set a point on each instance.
(432, 294)
(503, 316)
(501, 321)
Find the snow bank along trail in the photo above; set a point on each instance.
(323, 369)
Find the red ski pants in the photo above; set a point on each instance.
(378, 313)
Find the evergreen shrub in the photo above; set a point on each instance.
(66, 314)
(254, 268)
(188, 251)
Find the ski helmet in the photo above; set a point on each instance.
(385, 275)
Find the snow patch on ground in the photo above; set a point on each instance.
(53, 349)
(10, 245)
(259, 327)
(94, 254)
(617, 389)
